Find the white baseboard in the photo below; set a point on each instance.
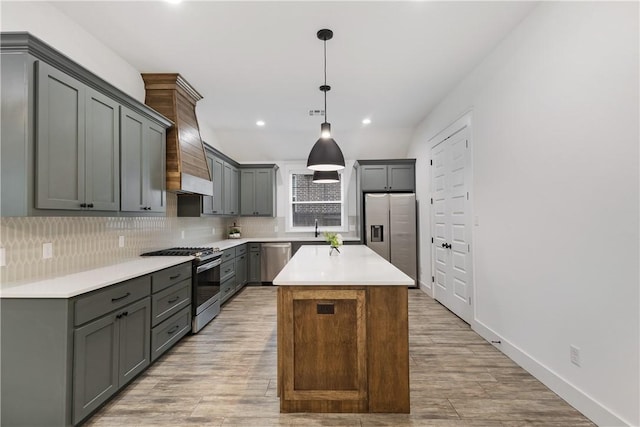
(424, 288)
(584, 403)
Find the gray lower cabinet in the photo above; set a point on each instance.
(108, 353)
(258, 191)
(67, 356)
(143, 163)
(77, 144)
(254, 263)
(241, 266)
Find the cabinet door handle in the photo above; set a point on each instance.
(90, 205)
(175, 277)
(171, 301)
(173, 330)
(126, 313)
(83, 205)
(121, 298)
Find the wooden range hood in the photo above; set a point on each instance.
(187, 168)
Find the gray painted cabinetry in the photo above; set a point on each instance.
(241, 266)
(60, 131)
(230, 192)
(258, 191)
(63, 358)
(143, 163)
(254, 263)
(77, 144)
(392, 175)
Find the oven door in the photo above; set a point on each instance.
(206, 285)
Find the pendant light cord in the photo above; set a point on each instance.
(325, 80)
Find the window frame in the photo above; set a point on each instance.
(289, 227)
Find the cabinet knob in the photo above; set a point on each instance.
(90, 205)
(83, 205)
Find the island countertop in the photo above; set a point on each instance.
(355, 265)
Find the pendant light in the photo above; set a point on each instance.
(325, 154)
(325, 177)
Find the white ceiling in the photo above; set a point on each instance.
(390, 61)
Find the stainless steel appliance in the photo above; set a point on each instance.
(205, 282)
(390, 229)
(273, 256)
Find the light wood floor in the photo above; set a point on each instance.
(226, 376)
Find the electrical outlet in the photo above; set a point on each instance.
(574, 355)
(121, 241)
(3, 258)
(47, 250)
(182, 234)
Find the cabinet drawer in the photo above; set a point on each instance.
(241, 250)
(228, 254)
(170, 300)
(227, 289)
(169, 276)
(169, 332)
(111, 298)
(254, 246)
(227, 270)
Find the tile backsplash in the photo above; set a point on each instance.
(82, 243)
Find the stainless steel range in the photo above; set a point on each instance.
(205, 279)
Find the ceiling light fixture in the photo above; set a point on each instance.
(260, 123)
(366, 121)
(325, 154)
(325, 177)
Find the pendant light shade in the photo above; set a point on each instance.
(325, 154)
(325, 177)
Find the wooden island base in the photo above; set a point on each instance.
(343, 349)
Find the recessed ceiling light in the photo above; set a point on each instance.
(174, 1)
(366, 121)
(260, 123)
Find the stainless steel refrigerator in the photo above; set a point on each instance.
(390, 228)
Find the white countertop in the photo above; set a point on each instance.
(78, 283)
(356, 265)
(74, 284)
(229, 243)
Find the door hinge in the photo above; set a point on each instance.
(432, 200)
(431, 162)
(466, 143)
(467, 195)
(469, 300)
(433, 279)
(432, 240)
(469, 248)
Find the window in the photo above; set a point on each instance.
(309, 202)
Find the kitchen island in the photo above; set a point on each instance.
(343, 332)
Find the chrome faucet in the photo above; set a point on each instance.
(316, 228)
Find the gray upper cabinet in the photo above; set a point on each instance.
(142, 163)
(218, 187)
(258, 191)
(392, 175)
(60, 130)
(230, 192)
(207, 201)
(77, 144)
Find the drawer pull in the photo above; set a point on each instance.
(173, 330)
(175, 277)
(171, 301)
(121, 298)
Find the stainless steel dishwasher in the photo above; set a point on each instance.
(273, 256)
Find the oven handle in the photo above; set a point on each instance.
(208, 266)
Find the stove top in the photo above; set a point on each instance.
(201, 253)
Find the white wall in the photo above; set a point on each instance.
(555, 137)
(56, 29)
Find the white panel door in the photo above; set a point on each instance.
(451, 227)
